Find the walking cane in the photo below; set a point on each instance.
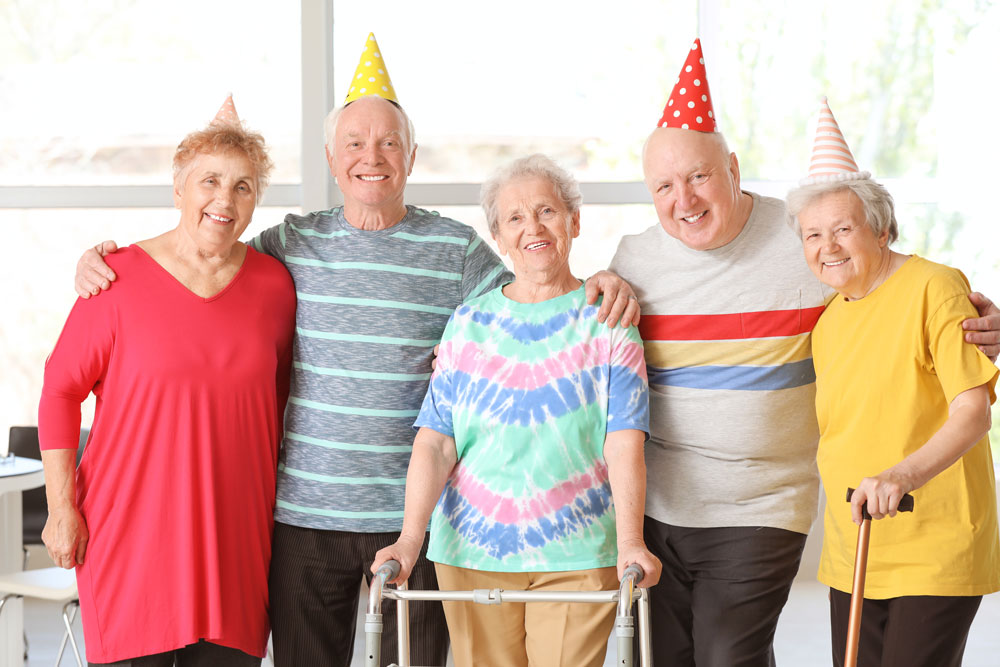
(860, 569)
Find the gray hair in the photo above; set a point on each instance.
(536, 165)
(330, 128)
(876, 202)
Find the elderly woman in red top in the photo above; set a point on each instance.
(168, 518)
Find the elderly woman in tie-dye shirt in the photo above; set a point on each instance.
(530, 443)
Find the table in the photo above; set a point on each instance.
(22, 474)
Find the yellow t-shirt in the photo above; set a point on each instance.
(887, 367)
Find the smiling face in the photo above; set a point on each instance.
(216, 195)
(370, 159)
(695, 183)
(840, 246)
(535, 228)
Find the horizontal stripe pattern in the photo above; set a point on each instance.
(347, 446)
(373, 266)
(338, 479)
(830, 155)
(765, 352)
(350, 410)
(752, 351)
(740, 378)
(372, 303)
(363, 375)
(336, 514)
(371, 306)
(729, 326)
(357, 338)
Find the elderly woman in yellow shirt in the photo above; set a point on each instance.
(903, 406)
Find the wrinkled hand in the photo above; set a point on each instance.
(984, 330)
(405, 550)
(882, 493)
(636, 552)
(65, 536)
(92, 273)
(619, 302)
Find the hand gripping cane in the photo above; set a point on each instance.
(860, 569)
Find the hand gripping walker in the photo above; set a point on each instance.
(626, 594)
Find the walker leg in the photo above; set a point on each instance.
(645, 643)
(403, 626)
(373, 639)
(625, 633)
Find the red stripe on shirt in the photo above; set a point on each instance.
(729, 326)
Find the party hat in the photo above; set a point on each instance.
(371, 77)
(831, 158)
(227, 112)
(690, 104)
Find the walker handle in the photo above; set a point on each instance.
(390, 568)
(905, 504)
(635, 571)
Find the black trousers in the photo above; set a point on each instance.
(314, 585)
(202, 654)
(910, 631)
(722, 589)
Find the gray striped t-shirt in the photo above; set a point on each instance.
(371, 307)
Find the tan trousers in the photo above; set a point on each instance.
(535, 634)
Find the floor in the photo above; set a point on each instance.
(802, 639)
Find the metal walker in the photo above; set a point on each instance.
(626, 594)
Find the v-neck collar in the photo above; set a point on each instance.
(171, 278)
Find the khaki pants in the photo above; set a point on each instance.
(536, 634)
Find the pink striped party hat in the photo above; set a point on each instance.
(831, 158)
(227, 113)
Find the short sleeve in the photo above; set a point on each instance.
(76, 367)
(959, 366)
(483, 270)
(436, 410)
(271, 241)
(628, 393)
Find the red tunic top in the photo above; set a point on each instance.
(177, 480)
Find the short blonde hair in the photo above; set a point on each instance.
(221, 137)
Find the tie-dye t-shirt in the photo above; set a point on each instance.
(529, 391)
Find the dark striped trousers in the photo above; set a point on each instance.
(314, 588)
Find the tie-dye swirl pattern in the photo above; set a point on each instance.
(529, 392)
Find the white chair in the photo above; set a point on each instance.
(51, 583)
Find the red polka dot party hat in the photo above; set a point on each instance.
(689, 106)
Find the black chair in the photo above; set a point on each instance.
(24, 442)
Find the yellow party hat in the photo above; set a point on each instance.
(371, 77)
(227, 112)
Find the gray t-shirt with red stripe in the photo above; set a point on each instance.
(726, 336)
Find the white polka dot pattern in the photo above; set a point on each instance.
(372, 71)
(689, 106)
(227, 112)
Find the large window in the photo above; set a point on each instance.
(100, 92)
(95, 95)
